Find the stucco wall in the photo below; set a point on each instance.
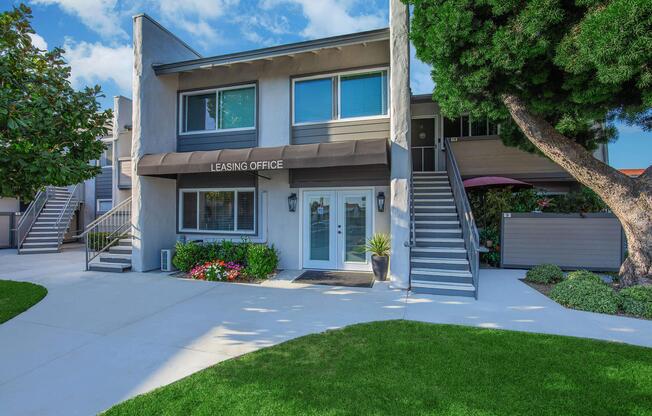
(154, 130)
(274, 81)
(9, 205)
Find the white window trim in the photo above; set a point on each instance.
(236, 231)
(98, 201)
(216, 91)
(336, 76)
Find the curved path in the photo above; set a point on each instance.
(100, 338)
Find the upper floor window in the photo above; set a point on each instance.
(220, 109)
(106, 159)
(347, 95)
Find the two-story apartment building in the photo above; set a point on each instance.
(313, 147)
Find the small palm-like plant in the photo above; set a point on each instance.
(379, 245)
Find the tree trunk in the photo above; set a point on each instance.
(630, 199)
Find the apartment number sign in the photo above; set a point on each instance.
(246, 166)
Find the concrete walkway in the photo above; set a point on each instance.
(98, 339)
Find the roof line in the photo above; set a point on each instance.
(273, 51)
(166, 30)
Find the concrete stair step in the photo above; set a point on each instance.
(115, 258)
(109, 267)
(124, 242)
(54, 244)
(37, 250)
(120, 249)
(443, 288)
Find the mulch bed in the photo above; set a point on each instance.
(250, 280)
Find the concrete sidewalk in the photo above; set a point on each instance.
(100, 338)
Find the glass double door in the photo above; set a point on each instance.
(336, 225)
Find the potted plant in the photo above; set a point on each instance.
(378, 245)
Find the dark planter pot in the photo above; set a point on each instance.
(380, 265)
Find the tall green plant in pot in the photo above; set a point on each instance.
(379, 245)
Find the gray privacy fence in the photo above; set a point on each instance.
(571, 241)
(7, 224)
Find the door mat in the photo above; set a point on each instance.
(331, 278)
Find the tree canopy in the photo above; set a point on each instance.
(48, 130)
(579, 64)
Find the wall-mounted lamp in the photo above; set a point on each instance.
(380, 201)
(292, 202)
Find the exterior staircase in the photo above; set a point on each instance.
(108, 240)
(116, 258)
(47, 220)
(444, 244)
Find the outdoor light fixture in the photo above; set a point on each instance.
(292, 202)
(380, 201)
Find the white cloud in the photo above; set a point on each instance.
(420, 79)
(101, 16)
(38, 41)
(95, 63)
(194, 16)
(332, 17)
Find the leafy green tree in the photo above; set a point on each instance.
(556, 75)
(48, 131)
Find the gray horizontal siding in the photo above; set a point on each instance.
(341, 130)
(568, 240)
(369, 175)
(104, 184)
(124, 174)
(217, 141)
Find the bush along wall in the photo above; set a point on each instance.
(488, 206)
(587, 291)
(226, 260)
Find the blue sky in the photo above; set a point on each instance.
(97, 37)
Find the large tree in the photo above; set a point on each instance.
(556, 74)
(48, 131)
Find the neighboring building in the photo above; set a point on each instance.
(312, 147)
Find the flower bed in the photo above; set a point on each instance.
(226, 261)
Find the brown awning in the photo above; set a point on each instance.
(296, 156)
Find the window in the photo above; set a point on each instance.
(218, 210)
(216, 110)
(348, 95)
(467, 127)
(106, 159)
(104, 205)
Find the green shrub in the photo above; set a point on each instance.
(98, 240)
(262, 260)
(584, 275)
(637, 301)
(259, 259)
(544, 274)
(585, 294)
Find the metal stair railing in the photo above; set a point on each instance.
(469, 229)
(67, 212)
(106, 230)
(29, 217)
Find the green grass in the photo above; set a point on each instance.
(17, 297)
(411, 368)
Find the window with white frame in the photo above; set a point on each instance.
(218, 210)
(465, 126)
(221, 109)
(104, 205)
(340, 96)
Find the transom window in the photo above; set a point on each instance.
(465, 126)
(217, 210)
(232, 108)
(347, 95)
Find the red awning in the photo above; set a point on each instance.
(494, 181)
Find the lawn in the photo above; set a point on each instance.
(412, 368)
(17, 297)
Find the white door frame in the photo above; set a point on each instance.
(336, 241)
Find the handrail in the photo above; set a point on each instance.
(469, 229)
(28, 218)
(61, 225)
(105, 215)
(105, 231)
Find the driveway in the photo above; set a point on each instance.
(100, 338)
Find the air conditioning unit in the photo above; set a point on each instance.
(166, 260)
